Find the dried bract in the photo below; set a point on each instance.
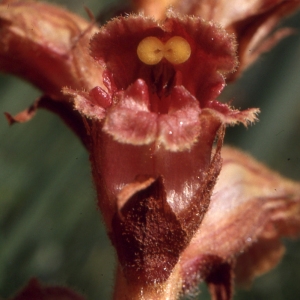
(251, 209)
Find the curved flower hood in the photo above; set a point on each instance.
(213, 54)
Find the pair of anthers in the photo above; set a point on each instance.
(152, 50)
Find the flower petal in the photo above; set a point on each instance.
(85, 104)
(179, 129)
(130, 120)
(230, 116)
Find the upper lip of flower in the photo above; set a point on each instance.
(202, 74)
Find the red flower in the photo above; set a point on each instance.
(152, 127)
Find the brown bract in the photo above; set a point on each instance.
(251, 208)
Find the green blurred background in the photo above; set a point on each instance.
(49, 225)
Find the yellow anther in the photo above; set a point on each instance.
(150, 50)
(177, 50)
